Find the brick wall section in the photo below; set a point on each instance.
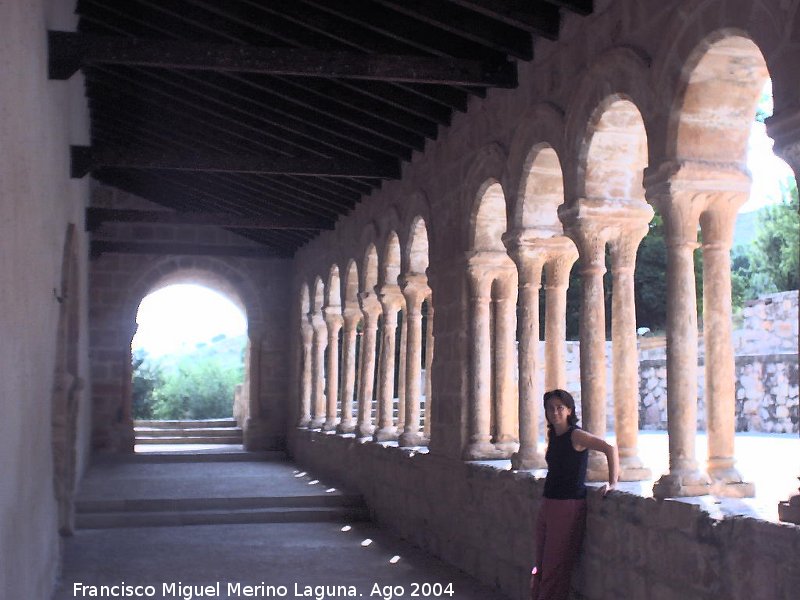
(481, 519)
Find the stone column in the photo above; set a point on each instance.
(306, 337)
(530, 260)
(590, 236)
(506, 396)
(254, 429)
(401, 374)
(429, 341)
(334, 321)
(717, 224)
(391, 301)
(625, 354)
(371, 308)
(415, 290)
(480, 362)
(784, 128)
(680, 204)
(318, 370)
(555, 319)
(351, 318)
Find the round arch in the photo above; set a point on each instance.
(488, 219)
(417, 258)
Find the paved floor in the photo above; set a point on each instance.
(307, 560)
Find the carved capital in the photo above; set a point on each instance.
(370, 305)
(391, 298)
(333, 317)
(415, 290)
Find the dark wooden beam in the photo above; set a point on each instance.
(539, 18)
(97, 216)
(99, 247)
(581, 7)
(86, 159)
(70, 51)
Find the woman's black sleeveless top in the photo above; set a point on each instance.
(566, 468)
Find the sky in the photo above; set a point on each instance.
(179, 316)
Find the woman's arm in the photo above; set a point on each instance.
(583, 439)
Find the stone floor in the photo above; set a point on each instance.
(289, 559)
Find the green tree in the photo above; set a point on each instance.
(197, 389)
(776, 249)
(147, 377)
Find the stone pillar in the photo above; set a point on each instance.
(590, 236)
(480, 362)
(506, 440)
(317, 370)
(625, 354)
(680, 204)
(334, 321)
(415, 290)
(530, 259)
(351, 318)
(372, 310)
(717, 224)
(555, 319)
(391, 301)
(254, 429)
(429, 341)
(306, 338)
(784, 128)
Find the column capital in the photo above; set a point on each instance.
(693, 184)
(484, 266)
(333, 316)
(391, 297)
(351, 314)
(317, 321)
(415, 290)
(370, 305)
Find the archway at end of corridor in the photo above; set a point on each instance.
(190, 382)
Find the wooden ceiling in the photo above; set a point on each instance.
(274, 117)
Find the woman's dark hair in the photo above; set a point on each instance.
(567, 400)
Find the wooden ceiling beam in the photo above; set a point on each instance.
(581, 7)
(86, 159)
(100, 247)
(539, 18)
(97, 216)
(70, 51)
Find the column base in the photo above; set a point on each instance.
(303, 422)
(789, 510)
(364, 431)
(385, 434)
(680, 484)
(727, 482)
(527, 459)
(482, 451)
(329, 425)
(631, 468)
(346, 427)
(410, 439)
(316, 423)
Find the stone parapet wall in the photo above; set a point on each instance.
(768, 325)
(481, 519)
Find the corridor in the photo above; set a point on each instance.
(226, 525)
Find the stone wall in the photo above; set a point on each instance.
(39, 119)
(119, 282)
(481, 519)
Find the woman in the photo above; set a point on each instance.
(562, 514)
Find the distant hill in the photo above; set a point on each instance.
(228, 350)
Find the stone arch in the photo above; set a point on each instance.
(334, 288)
(714, 109)
(351, 285)
(67, 386)
(318, 295)
(614, 154)
(488, 168)
(417, 258)
(621, 74)
(542, 128)
(488, 219)
(541, 192)
(370, 271)
(391, 260)
(235, 285)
